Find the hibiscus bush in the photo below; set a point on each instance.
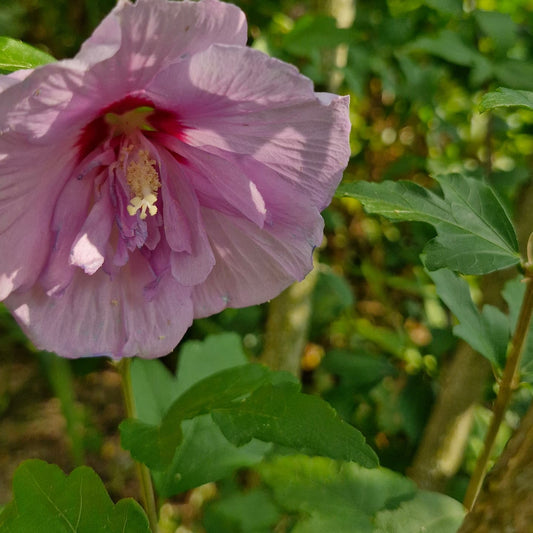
(266, 266)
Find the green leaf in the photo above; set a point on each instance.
(343, 496)
(16, 55)
(427, 511)
(203, 454)
(487, 332)
(282, 415)
(503, 97)
(48, 501)
(155, 445)
(247, 402)
(474, 233)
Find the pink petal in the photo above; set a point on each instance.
(135, 41)
(90, 245)
(69, 216)
(243, 101)
(252, 265)
(30, 181)
(192, 262)
(218, 181)
(99, 316)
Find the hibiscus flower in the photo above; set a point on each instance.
(165, 173)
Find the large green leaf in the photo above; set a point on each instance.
(16, 55)
(503, 97)
(48, 501)
(427, 511)
(474, 233)
(486, 331)
(211, 421)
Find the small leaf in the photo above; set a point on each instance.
(427, 511)
(48, 501)
(503, 97)
(487, 332)
(474, 233)
(16, 55)
(282, 415)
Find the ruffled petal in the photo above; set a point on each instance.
(97, 315)
(243, 101)
(252, 264)
(30, 181)
(218, 181)
(135, 41)
(191, 259)
(90, 246)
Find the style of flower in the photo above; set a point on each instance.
(163, 174)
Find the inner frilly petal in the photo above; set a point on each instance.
(191, 258)
(91, 244)
(215, 177)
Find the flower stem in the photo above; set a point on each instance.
(507, 385)
(143, 474)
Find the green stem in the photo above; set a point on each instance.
(143, 474)
(507, 386)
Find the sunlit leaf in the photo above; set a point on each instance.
(16, 55)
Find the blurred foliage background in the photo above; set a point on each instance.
(379, 336)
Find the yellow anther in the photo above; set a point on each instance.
(143, 180)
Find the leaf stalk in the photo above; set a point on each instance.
(143, 473)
